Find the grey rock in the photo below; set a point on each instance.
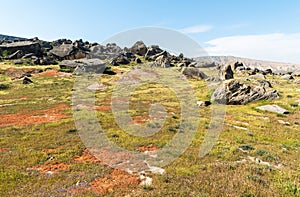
(273, 108)
(153, 50)
(26, 80)
(18, 62)
(258, 76)
(195, 73)
(85, 65)
(20, 48)
(16, 55)
(226, 72)
(139, 48)
(288, 77)
(241, 91)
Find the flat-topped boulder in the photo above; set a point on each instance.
(17, 49)
(85, 65)
(273, 108)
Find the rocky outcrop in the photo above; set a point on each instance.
(242, 91)
(66, 50)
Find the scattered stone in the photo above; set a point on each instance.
(145, 181)
(138, 60)
(26, 80)
(18, 62)
(284, 123)
(203, 103)
(273, 108)
(258, 76)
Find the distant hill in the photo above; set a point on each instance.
(252, 63)
(3, 37)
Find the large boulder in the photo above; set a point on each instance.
(139, 48)
(85, 65)
(19, 48)
(195, 73)
(111, 50)
(226, 72)
(242, 91)
(153, 50)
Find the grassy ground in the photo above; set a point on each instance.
(225, 171)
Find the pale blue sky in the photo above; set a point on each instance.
(270, 29)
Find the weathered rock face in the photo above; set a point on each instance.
(226, 72)
(18, 49)
(195, 73)
(241, 91)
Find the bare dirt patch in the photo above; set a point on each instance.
(3, 150)
(86, 157)
(34, 117)
(150, 147)
(52, 150)
(140, 120)
(115, 180)
(51, 167)
(54, 73)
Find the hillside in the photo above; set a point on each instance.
(3, 37)
(252, 63)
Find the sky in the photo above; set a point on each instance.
(265, 30)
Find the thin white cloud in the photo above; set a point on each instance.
(196, 29)
(276, 47)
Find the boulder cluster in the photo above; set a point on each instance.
(38, 52)
(85, 56)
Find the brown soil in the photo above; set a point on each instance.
(116, 180)
(86, 157)
(52, 167)
(54, 73)
(140, 119)
(3, 150)
(102, 108)
(35, 117)
(52, 150)
(150, 147)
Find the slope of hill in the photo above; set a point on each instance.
(252, 63)
(3, 37)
